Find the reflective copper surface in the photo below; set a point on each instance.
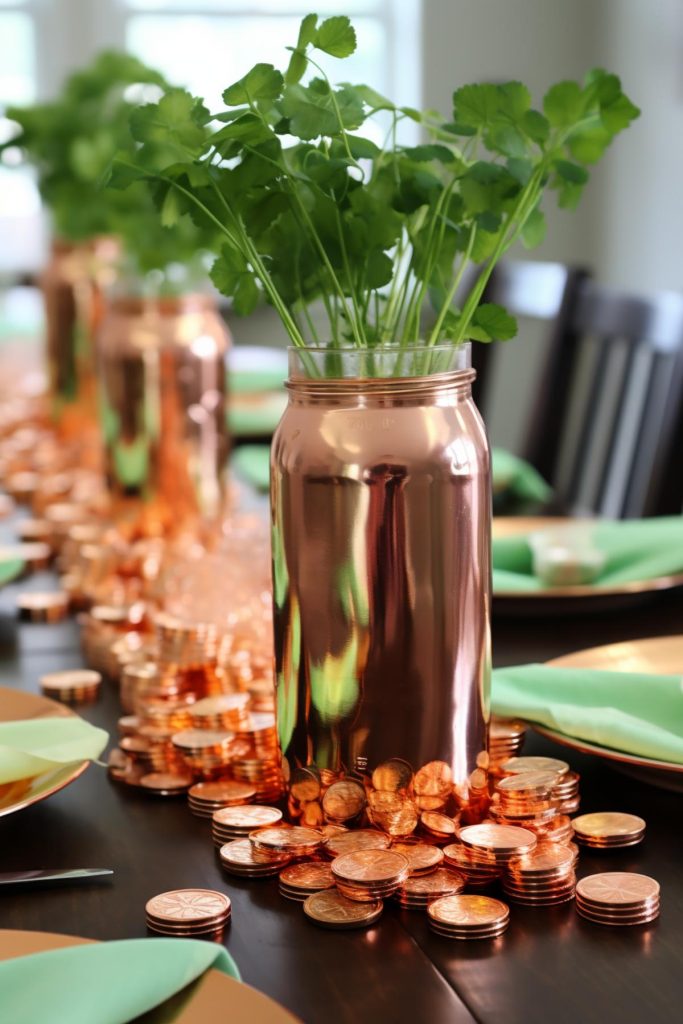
(162, 394)
(381, 522)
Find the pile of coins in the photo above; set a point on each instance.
(542, 878)
(506, 739)
(618, 898)
(205, 798)
(368, 875)
(73, 686)
(189, 913)
(230, 823)
(608, 830)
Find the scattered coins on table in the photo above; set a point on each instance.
(189, 913)
(73, 686)
(618, 898)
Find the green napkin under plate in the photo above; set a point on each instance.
(517, 478)
(38, 745)
(633, 712)
(10, 569)
(104, 983)
(635, 549)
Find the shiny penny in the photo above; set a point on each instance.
(309, 875)
(304, 785)
(527, 764)
(215, 792)
(331, 909)
(498, 838)
(544, 861)
(165, 781)
(371, 867)
(362, 839)
(250, 816)
(344, 800)
(188, 905)
(75, 678)
(241, 853)
(468, 911)
(434, 779)
(392, 776)
(436, 822)
(422, 857)
(617, 889)
(527, 782)
(286, 838)
(441, 882)
(608, 825)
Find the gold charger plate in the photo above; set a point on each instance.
(212, 999)
(581, 597)
(656, 655)
(14, 796)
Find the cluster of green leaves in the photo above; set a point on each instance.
(308, 208)
(71, 143)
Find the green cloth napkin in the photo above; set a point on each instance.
(636, 549)
(10, 569)
(104, 983)
(518, 478)
(40, 745)
(251, 418)
(629, 711)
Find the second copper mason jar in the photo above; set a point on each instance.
(163, 409)
(381, 568)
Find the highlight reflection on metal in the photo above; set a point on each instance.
(72, 285)
(381, 574)
(163, 402)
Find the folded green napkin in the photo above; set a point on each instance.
(252, 463)
(253, 417)
(10, 569)
(629, 711)
(636, 549)
(40, 745)
(104, 983)
(514, 476)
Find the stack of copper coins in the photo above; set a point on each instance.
(161, 754)
(34, 530)
(222, 711)
(299, 881)
(566, 792)
(206, 752)
(330, 909)
(102, 626)
(492, 846)
(368, 875)
(608, 830)
(205, 798)
(143, 681)
(506, 739)
(418, 891)
(479, 871)
(190, 650)
(43, 606)
(228, 823)
(468, 917)
(285, 840)
(239, 857)
(36, 555)
(618, 898)
(73, 686)
(354, 840)
(543, 878)
(189, 913)
(165, 783)
(145, 755)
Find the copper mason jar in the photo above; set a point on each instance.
(380, 505)
(72, 285)
(163, 410)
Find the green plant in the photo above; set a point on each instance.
(307, 208)
(71, 142)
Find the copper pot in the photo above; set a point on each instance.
(163, 408)
(381, 503)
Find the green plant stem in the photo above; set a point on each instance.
(357, 324)
(436, 330)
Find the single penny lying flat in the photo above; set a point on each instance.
(371, 868)
(618, 889)
(332, 910)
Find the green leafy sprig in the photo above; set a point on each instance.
(309, 208)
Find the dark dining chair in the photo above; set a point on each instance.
(605, 426)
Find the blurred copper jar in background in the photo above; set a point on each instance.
(73, 284)
(163, 408)
(381, 570)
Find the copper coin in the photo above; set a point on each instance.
(218, 792)
(528, 764)
(608, 825)
(526, 783)
(361, 839)
(166, 782)
(469, 934)
(76, 678)
(371, 868)
(344, 800)
(422, 857)
(189, 905)
(619, 913)
(504, 728)
(434, 779)
(36, 554)
(198, 739)
(364, 895)
(43, 606)
(428, 887)
(438, 823)
(392, 776)
(637, 919)
(282, 840)
(468, 911)
(307, 876)
(304, 785)
(332, 910)
(546, 860)
(34, 529)
(393, 813)
(247, 817)
(240, 853)
(501, 840)
(617, 889)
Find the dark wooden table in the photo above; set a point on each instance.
(550, 967)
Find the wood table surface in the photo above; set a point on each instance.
(550, 967)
